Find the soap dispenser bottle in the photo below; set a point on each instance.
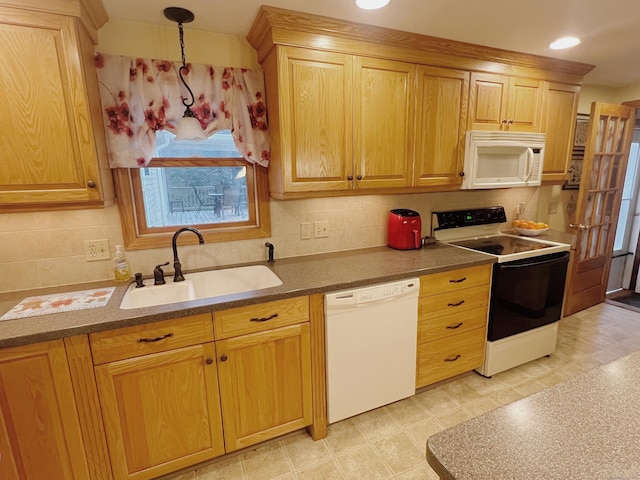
(121, 268)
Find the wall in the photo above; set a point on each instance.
(45, 249)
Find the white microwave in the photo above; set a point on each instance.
(503, 159)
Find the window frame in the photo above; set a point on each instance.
(128, 190)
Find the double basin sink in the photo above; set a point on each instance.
(201, 285)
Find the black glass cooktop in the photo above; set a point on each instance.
(501, 244)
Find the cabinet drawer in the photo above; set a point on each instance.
(451, 356)
(455, 279)
(261, 317)
(129, 342)
(448, 325)
(459, 301)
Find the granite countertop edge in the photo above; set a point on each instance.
(300, 276)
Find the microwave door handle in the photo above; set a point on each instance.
(528, 165)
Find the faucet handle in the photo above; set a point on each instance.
(139, 282)
(270, 246)
(158, 274)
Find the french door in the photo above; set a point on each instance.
(603, 172)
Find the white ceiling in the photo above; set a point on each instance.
(609, 29)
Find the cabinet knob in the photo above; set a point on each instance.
(91, 184)
(349, 177)
(359, 177)
(209, 361)
(224, 358)
(461, 174)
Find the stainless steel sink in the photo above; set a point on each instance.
(196, 286)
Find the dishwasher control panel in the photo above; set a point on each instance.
(374, 293)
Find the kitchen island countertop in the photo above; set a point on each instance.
(585, 428)
(300, 276)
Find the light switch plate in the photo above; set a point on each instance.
(305, 230)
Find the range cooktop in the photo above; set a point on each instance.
(502, 244)
(479, 229)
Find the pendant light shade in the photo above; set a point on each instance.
(189, 127)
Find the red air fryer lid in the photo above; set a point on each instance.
(405, 212)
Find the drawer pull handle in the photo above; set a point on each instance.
(224, 358)
(460, 280)
(453, 327)
(155, 339)
(455, 304)
(263, 319)
(452, 359)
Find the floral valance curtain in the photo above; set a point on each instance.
(141, 96)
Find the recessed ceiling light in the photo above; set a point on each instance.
(371, 4)
(564, 42)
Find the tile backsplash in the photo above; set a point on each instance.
(46, 249)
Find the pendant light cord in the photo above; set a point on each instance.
(185, 69)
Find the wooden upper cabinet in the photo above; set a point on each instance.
(40, 433)
(48, 145)
(383, 123)
(355, 108)
(341, 122)
(309, 96)
(441, 100)
(560, 107)
(499, 102)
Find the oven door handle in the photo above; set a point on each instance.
(533, 263)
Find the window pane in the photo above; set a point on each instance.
(175, 196)
(219, 145)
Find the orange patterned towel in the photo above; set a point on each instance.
(59, 302)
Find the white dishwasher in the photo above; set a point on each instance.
(371, 336)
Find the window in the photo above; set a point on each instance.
(627, 203)
(206, 184)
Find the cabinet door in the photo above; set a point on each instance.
(161, 411)
(442, 97)
(561, 105)
(524, 105)
(45, 117)
(39, 429)
(487, 101)
(265, 384)
(314, 119)
(384, 98)
(499, 102)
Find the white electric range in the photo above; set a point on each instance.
(527, 286)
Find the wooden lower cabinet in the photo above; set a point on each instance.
(40, 435)
(167, 388)
(265, 384)
(452, 320)
(161, 411)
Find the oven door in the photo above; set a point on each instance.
(526, 294)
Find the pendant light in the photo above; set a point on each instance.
(189, 127)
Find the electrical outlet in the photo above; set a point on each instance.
(321, 229)
(96, 250)
(521, 208)
(305, 230)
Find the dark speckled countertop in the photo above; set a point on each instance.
(299, 275)
(585, 428)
